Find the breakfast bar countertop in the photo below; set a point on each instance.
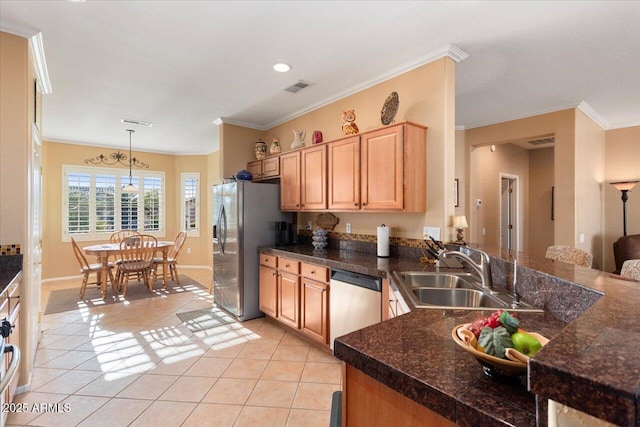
(590, 363)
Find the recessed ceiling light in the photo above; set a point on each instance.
(281, 67)
(136, 122)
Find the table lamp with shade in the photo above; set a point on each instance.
(460, 223)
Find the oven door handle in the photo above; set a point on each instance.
(13, 366)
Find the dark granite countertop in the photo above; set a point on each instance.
(10, 269)
(590, 364)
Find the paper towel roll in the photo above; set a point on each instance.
(383, 241)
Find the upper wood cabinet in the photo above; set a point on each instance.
(393, 168)
(313, 185)
(266, 168)
(381, 170)
(290, 181)
(344, 174)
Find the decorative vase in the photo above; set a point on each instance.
(298, 138)
(319, 240)
(275, 146)
(261, 149)
(316, 138)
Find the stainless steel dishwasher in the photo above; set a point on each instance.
(355, 302)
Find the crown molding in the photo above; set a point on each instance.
(593, 115)
(449, 50)
(18, 30)
(624, 125)
(523, 116)
(226, 120)
(460, 128)
(40, 63)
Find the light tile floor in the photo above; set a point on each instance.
(135, 364)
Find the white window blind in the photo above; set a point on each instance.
(190, 203)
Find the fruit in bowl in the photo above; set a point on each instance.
(498, 343)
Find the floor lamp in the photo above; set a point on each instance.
(624, 187)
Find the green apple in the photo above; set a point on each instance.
(525, 343)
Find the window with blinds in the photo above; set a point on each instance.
(95, 206)
(191, 203)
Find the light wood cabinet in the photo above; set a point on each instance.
(392, 303)
(267, 168)
(367, 402)
(393, 169)
(296, 294)
(381, 170)
(290, 181)
(315, 312)
(288, 310)
(344, 174)
(268, 278)
(313, 184)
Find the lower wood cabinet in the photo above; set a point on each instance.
(289, 299)
(296, 294)
(315, 311)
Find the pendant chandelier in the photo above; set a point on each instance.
(130, 188)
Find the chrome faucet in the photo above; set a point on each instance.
(483, 269)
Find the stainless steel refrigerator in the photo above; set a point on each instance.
(245, 215)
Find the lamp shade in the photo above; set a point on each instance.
(624, 185)
(460, 221)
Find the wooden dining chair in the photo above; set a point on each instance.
(86, 269)
(136, 254)
(118, 237)
(172, 258)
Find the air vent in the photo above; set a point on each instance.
(136, 122)
(297, 87)
(549, 140)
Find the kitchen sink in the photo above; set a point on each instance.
(437, 280)
(455, 291)
(457, 298)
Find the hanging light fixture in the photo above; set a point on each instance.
(130, 188)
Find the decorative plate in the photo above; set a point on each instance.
(515, 364)
(389, 109)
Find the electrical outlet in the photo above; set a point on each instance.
(309, 225)
(188, 250)
(431, 231)
(484, 231)
(348, 228)
(581, 237)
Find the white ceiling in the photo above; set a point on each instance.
(182, 64)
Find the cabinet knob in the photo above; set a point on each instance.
(364, 204)
(313, 272)
(355, 204)
(273, 274)
(286, 266)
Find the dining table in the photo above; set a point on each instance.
(105, 250)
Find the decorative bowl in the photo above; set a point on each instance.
(515, 365)
(244, 175)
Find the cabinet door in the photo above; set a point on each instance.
(382, 169)
(289, 299)
(268, 291)
(313, 184)
(315, 300)
(271, 167)
(290, 181)
(344, 174)
(256, 169)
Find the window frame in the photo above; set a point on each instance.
(184, 176)
(119, 173)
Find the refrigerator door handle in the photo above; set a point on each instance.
(223, 229)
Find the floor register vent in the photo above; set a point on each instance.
(297, 87)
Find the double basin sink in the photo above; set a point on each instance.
(455, 291)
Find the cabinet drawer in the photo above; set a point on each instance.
(286, 264)
(268, 260)
(315, 272)
(271, 167)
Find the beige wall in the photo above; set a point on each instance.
(622, 162)
(487, 168)
(15, 138)
(561, 124)
(236, 148)
(427, 96)
(540, 225)
(58, 260)
(589, 170)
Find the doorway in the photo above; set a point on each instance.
(509, 227)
